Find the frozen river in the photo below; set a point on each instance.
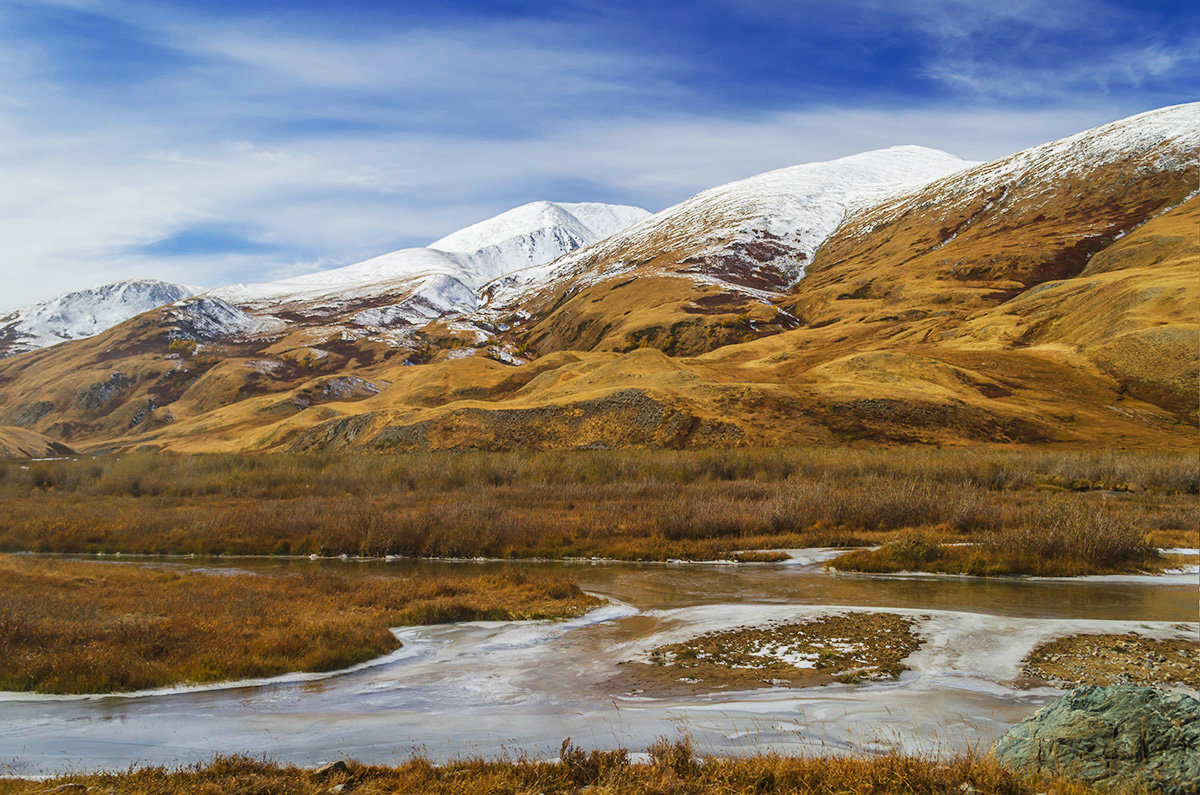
(521, 688)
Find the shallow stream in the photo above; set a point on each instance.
(520, 688)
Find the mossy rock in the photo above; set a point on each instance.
(1116, 737)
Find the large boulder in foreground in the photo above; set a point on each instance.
(1116, 736)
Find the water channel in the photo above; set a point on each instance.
(491, 688)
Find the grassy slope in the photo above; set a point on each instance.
(941, 319)
(82, 627)
(22, 443)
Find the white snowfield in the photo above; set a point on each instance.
(798, 207)
(445, 277)
(209, 318)
(480, 274)
(1166, 139)
(84, 313)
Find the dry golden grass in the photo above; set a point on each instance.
(1063, 314)
(23, 443)
(1058, 540)
(84, 627)
(623, 504)
(673, 770)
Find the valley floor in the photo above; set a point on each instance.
(1040, 512)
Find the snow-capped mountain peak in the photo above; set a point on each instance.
(790, 210)
(519, 221)
(83, 313)
(445, 277)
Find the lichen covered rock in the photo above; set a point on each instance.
(1116, 736)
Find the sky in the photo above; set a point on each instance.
(212, 142)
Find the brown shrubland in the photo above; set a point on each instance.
(629, 504)
(1063, 539)
(673, 769)
(85, 627)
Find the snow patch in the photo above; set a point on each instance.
(84, 313)
(208, 318)
(444, 278)
(795, 208)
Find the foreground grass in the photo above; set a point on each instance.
(82, 627)
(629, 504)
(673, 770)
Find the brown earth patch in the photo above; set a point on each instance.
(1115, 659)
(840, 648)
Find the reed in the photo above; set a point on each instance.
(673, 769)
(1058, 539)
(639, 504)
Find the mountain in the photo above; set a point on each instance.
(900, 296)
(22, 443)
(1081, 251)
(83, 313)
(730, 248)
(415, 285)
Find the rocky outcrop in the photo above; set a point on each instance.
(626, 418)
(1117, 736)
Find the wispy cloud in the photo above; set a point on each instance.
(207, 144)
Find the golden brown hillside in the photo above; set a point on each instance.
(1049, 297)
(22, 443)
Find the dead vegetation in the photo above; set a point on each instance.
(629, 504)
(84, 627)
(839, 648)
(1115, 659)
(1049, 540)
(673, 769)
(644, 504)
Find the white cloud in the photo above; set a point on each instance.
(75, 204)
(92, 172)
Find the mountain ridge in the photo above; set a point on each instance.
(83, 313)
(1055, 305)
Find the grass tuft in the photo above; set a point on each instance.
(674, 770)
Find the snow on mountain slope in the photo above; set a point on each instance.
(376, 276)
(83, 313)
(605, 219)
(1162, 140)
(424, 283)
(788, 213)
(208, 318)
(511, 224)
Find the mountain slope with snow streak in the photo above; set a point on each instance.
(1031, 217)
(83, 313)
(416, 285)
(757, 232)
(737, 246)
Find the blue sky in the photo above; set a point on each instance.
(214, 142)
